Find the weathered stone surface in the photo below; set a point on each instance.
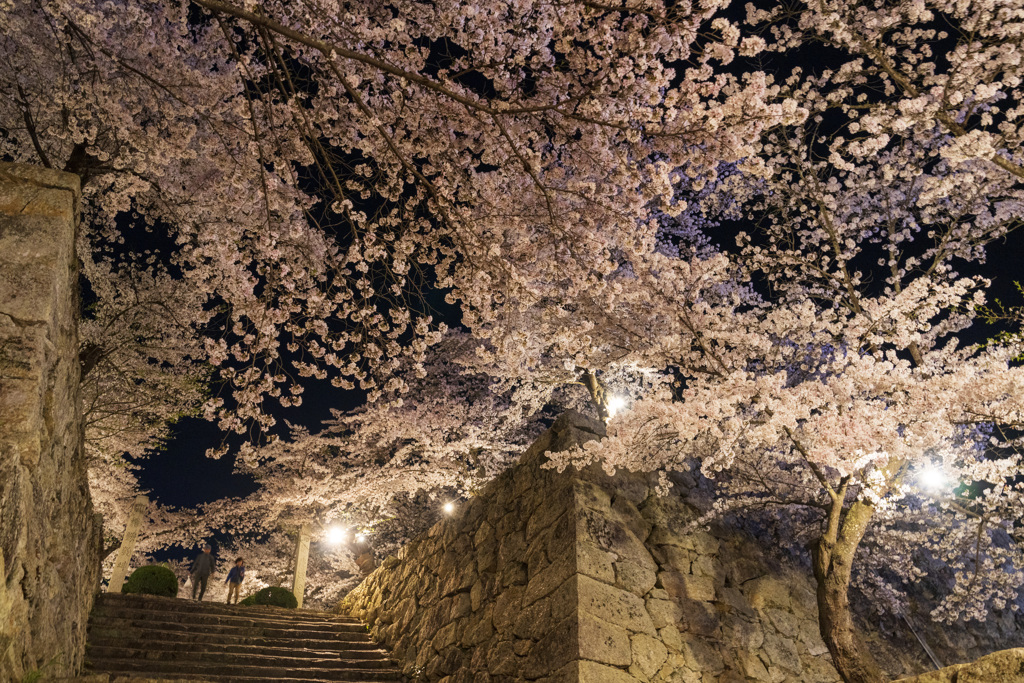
(634, 578)
(603, 642)
(687, 586)
(614, 605)
(1005, 666)
(49, 537)
(592, 672)
(649, 654)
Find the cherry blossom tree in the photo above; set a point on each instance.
(841, 395)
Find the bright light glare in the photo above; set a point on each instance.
(360, 538)
(932, 478)
(615, 404)
(448, 508)
(336, 535)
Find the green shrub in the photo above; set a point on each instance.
(152, 580)
(277, 597)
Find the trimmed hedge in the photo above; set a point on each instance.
(152, 580)
(274, 596)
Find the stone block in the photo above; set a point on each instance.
(594, 562)
(649, 654)
(783, 621)
(533, 621)
(512, 574)
(614, 605)
(512, 548)
(672, 638)
(447, 635)
(782, 652)
(590, 496)
(554, 504)
(634, 578)
(700, 618)
(480, 628)
(613, 536)
(506, 607)
(768, 591)
(603, 642)
(700, 656)
(752, 667)
(555, 649)
(550, 578)
(742, 633)
(663, 612)
(687, 586)
(564, 600)
(592, 672)
(502, 659)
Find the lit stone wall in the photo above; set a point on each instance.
(584, 577)
(49, 541)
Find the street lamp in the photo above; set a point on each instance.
(932, 477)
(615, 404)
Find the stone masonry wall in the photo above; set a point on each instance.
(490, 592)
(49, 541)
(584, 577)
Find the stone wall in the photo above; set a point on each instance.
(492, 591)
(584, 577)
(1004, 666)
(49, 539)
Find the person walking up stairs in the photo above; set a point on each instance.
(167, 638)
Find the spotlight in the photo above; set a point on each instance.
(615, 405)
(932, 477)
(360, 538)
(448, 508)
(336, 535)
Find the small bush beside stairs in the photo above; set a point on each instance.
(155, 638)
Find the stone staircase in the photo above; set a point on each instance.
(148, 638)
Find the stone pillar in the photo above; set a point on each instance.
(124, 553)
(47, 528)
(301, 558)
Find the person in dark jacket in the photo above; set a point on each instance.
(202, 567)
(235, 578)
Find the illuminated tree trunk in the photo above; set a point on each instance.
(597, 393)
(833, 564)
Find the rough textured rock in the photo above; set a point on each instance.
(1005, 666)
(49, 539)
(584, 577)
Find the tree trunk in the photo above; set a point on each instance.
(597, 393)
(833, 563)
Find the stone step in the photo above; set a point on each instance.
(200, 619)
(117, 633)
(293, 661)
(165, 649)
(189, 668)
(104, 623)
(135, 677)
(185, 605)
